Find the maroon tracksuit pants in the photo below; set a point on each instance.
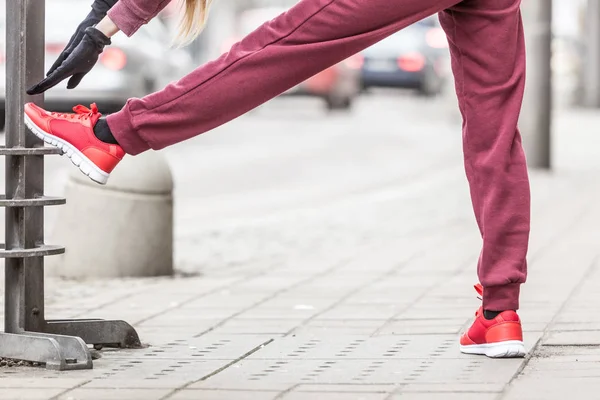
(488, 61)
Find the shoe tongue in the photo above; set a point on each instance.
(95, 117)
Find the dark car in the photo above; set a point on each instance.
(413, 58)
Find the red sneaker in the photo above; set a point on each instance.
(74, 135)
(497, 338)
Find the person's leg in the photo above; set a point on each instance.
(308, 38)
(488, 60)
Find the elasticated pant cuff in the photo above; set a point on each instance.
(501, 298)
(121, 126)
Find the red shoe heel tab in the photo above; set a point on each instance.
(503, 332)
(509, 316)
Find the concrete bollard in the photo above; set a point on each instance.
(122, 229)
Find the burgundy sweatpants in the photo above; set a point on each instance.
(488, 61)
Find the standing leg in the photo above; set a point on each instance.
(488, 60)
(308, 38)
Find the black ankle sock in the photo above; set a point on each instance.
(103, 133)
(490, 314)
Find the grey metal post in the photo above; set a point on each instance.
(591, 65)
(24, 225)
(536, 116)
(28, 336)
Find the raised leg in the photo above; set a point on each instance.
(310, 37)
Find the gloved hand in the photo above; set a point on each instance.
(79, 62)
(99, 10)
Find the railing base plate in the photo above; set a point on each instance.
(98, 332)
(57, 352)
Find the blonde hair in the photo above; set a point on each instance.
(193, 20)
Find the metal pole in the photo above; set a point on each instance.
(60, 344)
(536, 115)
(24, 309)
(591, 65)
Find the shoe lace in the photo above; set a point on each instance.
(479, 289)
(80, 112)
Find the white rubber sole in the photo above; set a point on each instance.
(508, 349)
(78, 158)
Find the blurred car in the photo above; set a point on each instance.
(130, 67)
(338, 85)
(413, 58)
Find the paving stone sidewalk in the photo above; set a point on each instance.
(362, 297)
(379, 323)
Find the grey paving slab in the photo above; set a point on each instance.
(568, 361)
(176, 320)
(536, 313)
(220, 394)
(445, 396)
(355, 388)
(374, 295)
(355, 311)
(574, 338)
(384, 347)
(578, 314)
(242, 385)
(424, 326)
(300, 312)
(359, 347)
(420, 312)
(225, 299)
(207, 347)
(342, 327)
(359, 327)
(265, 285)
(29, 393)
(255, 326)
(449, 387)
(289, 301)
(534, 327)
(136, 374)
(169, 366)
(145, 383)
(39, 378)
(551, 388)
(157, 335)
(334, 396)
(284, 371)
(114, 394)
(559, 372)
(367, 371)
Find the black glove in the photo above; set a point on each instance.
(99, 10)
(81, 61)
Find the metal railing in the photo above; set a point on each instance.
(59, 344)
